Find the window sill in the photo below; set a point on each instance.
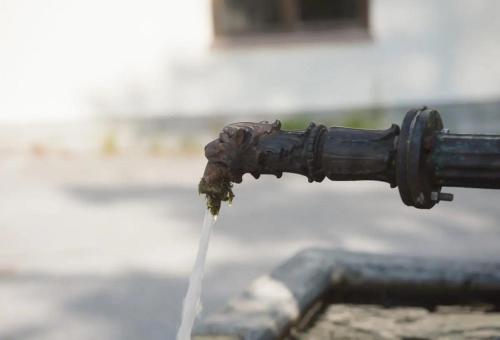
(287, 39)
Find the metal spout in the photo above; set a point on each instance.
(216, 186)
(229, 157)
(418, 158)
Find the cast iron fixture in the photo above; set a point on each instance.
(419, 158)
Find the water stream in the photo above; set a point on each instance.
(192, 305)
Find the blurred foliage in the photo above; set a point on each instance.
(190, 145)
(216, 123)
(160, 140)
(359, 119)
(109, 145)
(296, 122)
(156, 147)
(371, 119)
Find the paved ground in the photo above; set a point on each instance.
(101, 248)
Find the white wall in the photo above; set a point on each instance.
(73, 59)
(59, 59)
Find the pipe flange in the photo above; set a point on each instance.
(312, 152)
(414, 179)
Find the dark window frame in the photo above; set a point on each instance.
(293, 29)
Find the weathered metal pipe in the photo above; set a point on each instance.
(419, 158)
(467, 160)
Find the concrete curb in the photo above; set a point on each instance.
(273, 303)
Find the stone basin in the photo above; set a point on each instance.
(331, 294)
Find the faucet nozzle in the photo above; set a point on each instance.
(216, 185)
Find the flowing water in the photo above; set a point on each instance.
(192, 304)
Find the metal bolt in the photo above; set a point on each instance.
(441, 196)
(445, 196)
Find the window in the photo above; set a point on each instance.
(239, 18)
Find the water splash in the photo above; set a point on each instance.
(192, 305)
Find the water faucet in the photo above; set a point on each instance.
(419, 158)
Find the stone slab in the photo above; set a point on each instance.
(275, 302)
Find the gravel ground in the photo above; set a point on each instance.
(101, 248)
(370, 322)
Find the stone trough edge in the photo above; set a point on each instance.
(274, 302)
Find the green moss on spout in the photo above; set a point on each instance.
(216, 192)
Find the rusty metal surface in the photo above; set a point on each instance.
(419, 158)
(234, 153)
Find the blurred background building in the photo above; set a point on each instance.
(105, 106)
(71, 62)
